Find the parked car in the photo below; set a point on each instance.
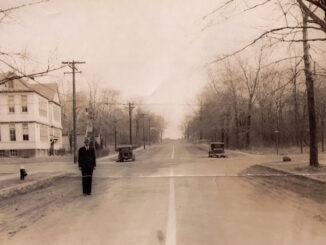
(125, 153)
(216, 149)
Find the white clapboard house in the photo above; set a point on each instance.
(30, 118)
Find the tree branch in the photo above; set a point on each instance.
(6, 11)
(318, 4)
(312, 15)
(228, 17)
(13, 76)
(265, 34)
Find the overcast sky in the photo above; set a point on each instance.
(149, 49)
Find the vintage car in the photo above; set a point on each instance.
(125, 153)
(216, 149)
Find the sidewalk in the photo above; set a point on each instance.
(11, 185)
(19, 160)
(300, 169)
(41, 173)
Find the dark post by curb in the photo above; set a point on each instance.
(23, 173)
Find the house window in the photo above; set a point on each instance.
(11, 103)
(2, 153)
(24, 103)
(42, 107)
(12, 132)
(11, 84)
(44, 133)
(25, 132)
(56, 113)
(13, 153)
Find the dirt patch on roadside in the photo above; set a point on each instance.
(271, 178)
(16, 180)
(309, 169)
(20, 211)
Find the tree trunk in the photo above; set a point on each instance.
(310, 96)
(236, 122)
(236, 115)
(227, 128)
(200, 123)
(322, 134)
(296, 129)
(248, 124)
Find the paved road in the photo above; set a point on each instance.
(173, 194)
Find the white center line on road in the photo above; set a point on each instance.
(172, 155)
(171, 228)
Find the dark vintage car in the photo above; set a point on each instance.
(125, 154)
(216, 149)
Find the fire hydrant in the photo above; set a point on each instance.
(23, 173)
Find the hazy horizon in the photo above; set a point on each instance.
(153, 50)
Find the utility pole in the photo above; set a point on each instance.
(131, 107)
(200, 123)
(115, 134)
(72, 65)
(137, 129)
(143, 116)
(149, 131)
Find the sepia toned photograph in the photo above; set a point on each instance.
(162, 122)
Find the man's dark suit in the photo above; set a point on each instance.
(87, 163)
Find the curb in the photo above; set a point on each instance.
(30, 186)
(297, 175)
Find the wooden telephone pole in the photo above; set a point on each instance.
(115, 134)
(131, 107)
(72, 65)
(144, 139)
(149, 131)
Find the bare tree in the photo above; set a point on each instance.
(310, 93)
(9, 61)
(252, 79)
(314, 18)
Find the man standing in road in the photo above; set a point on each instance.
(87, 163)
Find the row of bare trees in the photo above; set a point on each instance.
(111, 118)
(248, 105)
(262, 105)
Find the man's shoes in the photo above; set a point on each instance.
(89, 193)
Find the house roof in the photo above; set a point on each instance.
(48, 90)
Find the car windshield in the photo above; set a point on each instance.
(125, 149)
(217, 146)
